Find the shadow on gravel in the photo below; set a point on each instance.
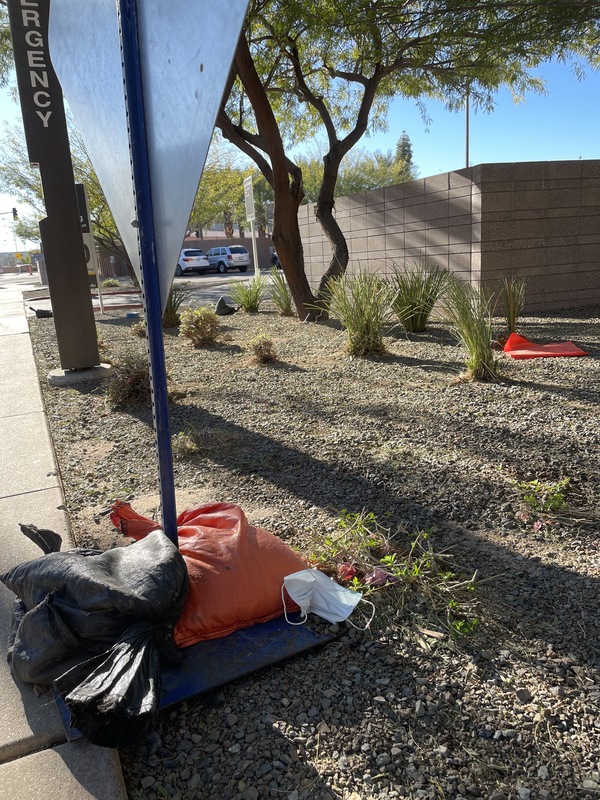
(440, 336)
(539, 601)
(573, 393)
(449, 367)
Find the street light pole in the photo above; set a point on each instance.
(467, 128)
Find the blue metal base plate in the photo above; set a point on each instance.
(208, 665)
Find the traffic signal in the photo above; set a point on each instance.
(15, 214)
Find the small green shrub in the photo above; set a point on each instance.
(545, 497)
(139, 329)
(129, 383)
(249, 295)
(199, 325)
(469, 315)
(178, 295)
(280, 293)
(111, 283)
(184, 444)
(512, 296)
(417, 288)
(262, 349)
(363, 304)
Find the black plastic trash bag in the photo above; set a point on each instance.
(113, 698)
(77, 614)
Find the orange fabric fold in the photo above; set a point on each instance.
(236, 570)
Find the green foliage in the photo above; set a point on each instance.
(545, 497)
(178, 295)
(262, 349)
(139, 329)
(249, 296)
(463, 627)
(360, 171)
(417, 288)
(22, 181)
(512, 296)
(183, 444)
(6, 54)
(357, 539)
(469, 316)
(363, 304)
(280, 293)
(129, 382)
(199, 325)
(111, 283)
(368, 557)
(220, 196)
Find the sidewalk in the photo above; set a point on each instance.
(36, 763)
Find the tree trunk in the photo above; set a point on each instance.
(283, 176)
(228, 224)
(324, 213)
(288, 244)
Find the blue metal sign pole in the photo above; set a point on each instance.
(134, 100)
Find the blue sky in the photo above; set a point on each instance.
(563, 124)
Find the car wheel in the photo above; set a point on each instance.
(178, 271)
(222, 267)
(243, 269)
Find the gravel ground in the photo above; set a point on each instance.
(403, 710)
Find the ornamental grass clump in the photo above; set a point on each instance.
(512, 296)
(418, 287)
(363, 304)
(178, 295)
(468, 314)
(280, 293)
(249, 296)
(199, 325)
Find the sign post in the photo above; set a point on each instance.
(149, 283)
(89, 245)
(251, 216)
(129, 84)
(45, 127)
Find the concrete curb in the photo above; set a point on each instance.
(36, 763)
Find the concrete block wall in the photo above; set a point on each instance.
(541, 220)
(536, 219)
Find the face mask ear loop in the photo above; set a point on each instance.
(368, 625)
(302, 621)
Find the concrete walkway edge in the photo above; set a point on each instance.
(36, 762)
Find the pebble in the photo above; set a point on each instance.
(543, 772)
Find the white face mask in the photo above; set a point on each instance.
(314, 592)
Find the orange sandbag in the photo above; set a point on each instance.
(518, 347)
(236, 570)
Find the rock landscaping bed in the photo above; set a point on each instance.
(492, 693)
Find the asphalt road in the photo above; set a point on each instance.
(206, 289)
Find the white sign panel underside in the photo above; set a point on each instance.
(183, 75)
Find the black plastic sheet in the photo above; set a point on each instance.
(95, 624)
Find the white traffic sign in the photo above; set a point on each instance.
(249, 199)
(183, 77)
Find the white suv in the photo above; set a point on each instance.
(191, 260)
(233, 257)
